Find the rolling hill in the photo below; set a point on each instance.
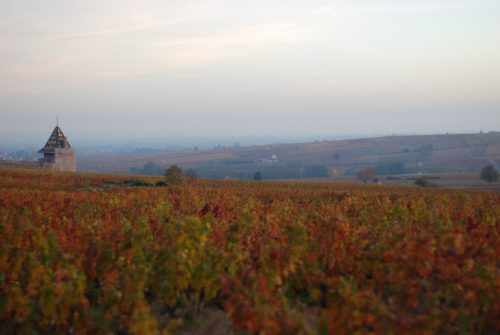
(449, 153)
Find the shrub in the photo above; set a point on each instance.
(489, 173)
(422, 182)
(137, 182)
(366, 174)
(173, 174)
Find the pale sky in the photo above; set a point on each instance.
(160, 68)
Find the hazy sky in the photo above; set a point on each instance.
(160, 68)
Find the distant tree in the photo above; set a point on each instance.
(257, 176)
(366, 174)
(489, 173)
(173, 174)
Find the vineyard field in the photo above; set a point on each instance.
(91, 254)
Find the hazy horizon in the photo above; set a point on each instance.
(238, 69)
(33, 141)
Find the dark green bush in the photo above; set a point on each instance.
(136, 182)
(422, 182)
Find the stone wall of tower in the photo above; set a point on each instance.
(64, 159)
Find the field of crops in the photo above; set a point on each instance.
(87, 254)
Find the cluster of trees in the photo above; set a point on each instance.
(153, 169)
(173, 176)
(220, 170)
(174, 173)
(235, 169)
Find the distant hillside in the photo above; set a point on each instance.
(455, 153)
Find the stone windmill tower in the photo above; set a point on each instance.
(57, 153)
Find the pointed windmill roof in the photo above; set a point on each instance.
(56, 140)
